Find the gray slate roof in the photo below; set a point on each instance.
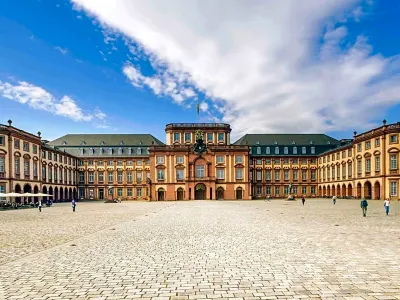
(286, 139)
(74, 140)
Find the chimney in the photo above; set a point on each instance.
(9, 122)
(384, 122)
(355, 133)
(39, 133)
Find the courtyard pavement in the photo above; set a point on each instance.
(201, 250)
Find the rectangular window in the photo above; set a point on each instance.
(26, 146)
(393, 139)
(276, 150)
(129, 176)
(367, 145)
(209, 137)
(120, 163)
(344, 171)
(303, 150)
(139, 176)
(350, 169)
(277, 191)
(295, 190)
(238, 159)
(160, 160)
(277, 174)
(268, 190)
(268, 174)
(337, 155)
(258, 162)
(160, 174)
(295, 174)
(110, 162)
(285, 150)
(239, 174)
(377, 142)
(268, 161)
(304, 190)
(26, 168)
(35, 170)
(393, 162)
(119, 192)
(304, 174)
(110, 176)
(129, 163)
(176, 136)
(220, 136)
(359, 147)
(259, 190)
(16, 143)
(286, 161)
(34, 149)
(312, 150)
(2, 140)
(344, 154)
(359, 166)
(139, 192)
(179, 159)
(259, 175)
(16, 166)
(304, 161)
(377, 163)
(286, 189)
(368, 165)
(220, 159)
(81, 177)
(295, 161)
(100, 176)
(268, 150)
(393, 188)
(91, 177)
(179, 174)
(277, 162)
(294, 150)
(49, 155)
(313, 190)
(139, 162)
(312, 174)
(200, 171)
(333, 173)
(286, 174)
(187, 137)
(120, 176)
(129, 192)
(220, 173)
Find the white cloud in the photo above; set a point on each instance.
(63, 51)
(38, 98)
(262, 62)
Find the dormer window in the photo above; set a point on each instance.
(293, 143)
(140, 143)
(268, 150)
(276, 150)
(258, 150)
(130, 151)
(64, 142)
(294, 150)
(286, 150)
(81, 151)
(83, 143)
(102, 143)
(139, 150)
(110, 151)
(312, 150)
(303, 150)
(119, 150)
(148, 151)
(101, 151)
(121, 142)
(91, 151)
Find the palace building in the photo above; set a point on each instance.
(198, 161)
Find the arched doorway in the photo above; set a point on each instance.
(70, 194)
(179, 194)
(344, 192)
(18, 190)
(338, 191)
(200, 192)
(55, 196)
(239, 193)
(319, 192)
(36, 191)
(350, 190)
(328, 190)
(51, 192)
(377, 191)
(324, 191)
(160, 194)
(220, 193)
(75, 196)
(61, 194)
(367, 190)
(27, 189)
(333, 190)
(358, 190)
(44, 191)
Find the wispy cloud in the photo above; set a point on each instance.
(63, 51)
(38, 98)
(261, 63)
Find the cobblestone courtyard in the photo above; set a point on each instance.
(201, 250)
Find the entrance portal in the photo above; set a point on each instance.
(239, 193)
(101, 194)
(160, 194)
(200, 192)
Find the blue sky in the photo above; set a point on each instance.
(87, 66)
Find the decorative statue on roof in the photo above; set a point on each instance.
(199, 147)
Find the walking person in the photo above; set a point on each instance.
(386, 204)
(334, 200)
(364, 205)
(73, 203)
(40, 206)
(303, 200)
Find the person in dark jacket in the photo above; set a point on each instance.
(303, 200)
(364, 205)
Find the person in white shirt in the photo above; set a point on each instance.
(386, 204)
